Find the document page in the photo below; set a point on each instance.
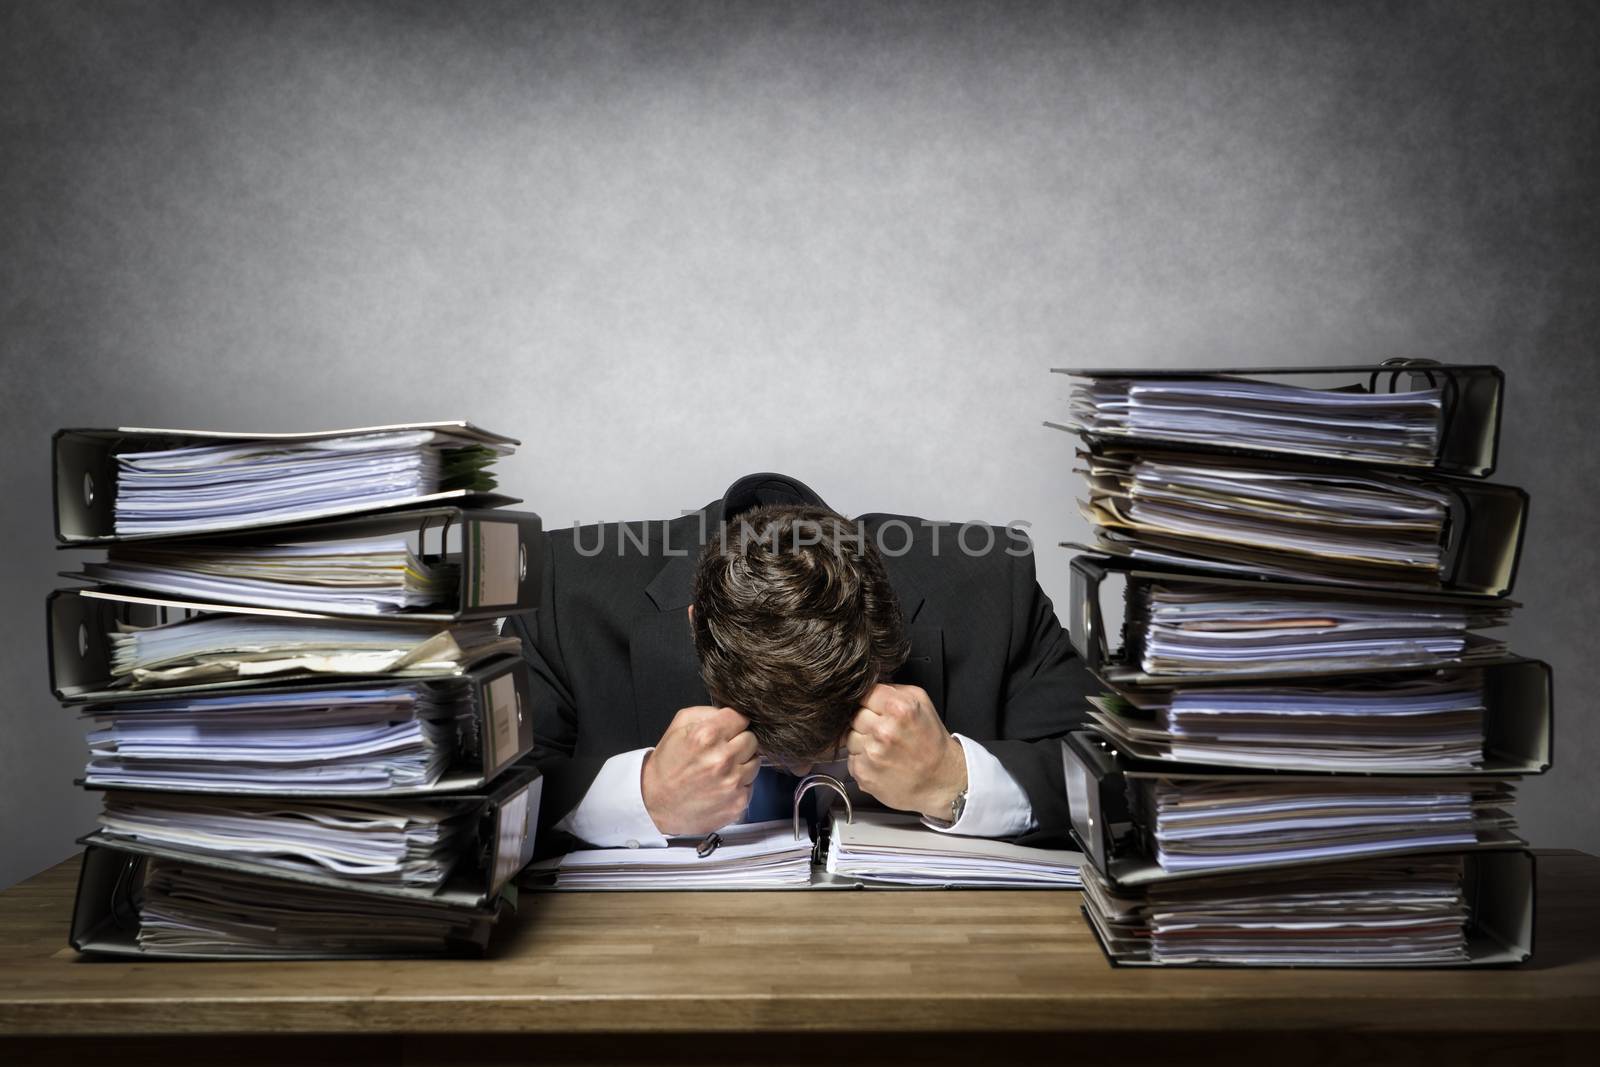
(760, 855)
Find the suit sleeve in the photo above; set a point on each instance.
(1046, 696)
(555, 719)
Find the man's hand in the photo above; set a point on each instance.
(699, 776)
(901, 753)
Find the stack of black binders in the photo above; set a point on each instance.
(1309, 735)
(307, 727)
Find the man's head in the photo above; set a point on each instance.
(794, 621)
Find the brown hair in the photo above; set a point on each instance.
(794, 621)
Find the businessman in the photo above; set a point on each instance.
(672, 659)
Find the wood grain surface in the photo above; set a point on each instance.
(871, 963)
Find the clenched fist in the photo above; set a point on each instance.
(699, 776)
(901, 753)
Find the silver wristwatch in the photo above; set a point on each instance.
(958, 804)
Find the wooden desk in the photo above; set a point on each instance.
(939, 976)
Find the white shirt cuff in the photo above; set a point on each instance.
(996, 805)
(612, 813)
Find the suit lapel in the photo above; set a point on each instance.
(666, 675)
(924, 667)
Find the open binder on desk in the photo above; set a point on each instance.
(849, 847)
(258, 481)
(1405, 413)
(484, 839)
(317, 739)
(97, 653)
(141, 906)
(439, 564)
(1298, 522)
(1175, 627)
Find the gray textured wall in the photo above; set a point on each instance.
(667, 244)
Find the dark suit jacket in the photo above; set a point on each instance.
(613, 655)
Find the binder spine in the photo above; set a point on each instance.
(84, 484)
(1086, 622)
(502, 560)
(509, 836)
(509, 714)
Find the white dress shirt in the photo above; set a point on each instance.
(612, 813)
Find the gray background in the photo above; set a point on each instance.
(667, 244)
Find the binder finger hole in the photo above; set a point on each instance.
(522, 563)
(83, 641)
(88, 489)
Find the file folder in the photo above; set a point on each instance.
(1498, 891)
(1518, 721)
(1479, 548)
(501, 842)
(106, 916)
(81, 623)
(500, 734)
(1099, 583)
(85, 474)
(1110, 797)
(1471, 400)
(497, 557)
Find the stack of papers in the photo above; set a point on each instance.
(393, 843)
(758, 855)
(362, 740)
(1433, 724)
(1187, 630)
(1201, 824)
(188, 908)
(898, 849)
(214, 486)
(890, 848)
(1400, 911)
(1300, 524)
(371, 577)
(1399, 428)
(212, 648)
